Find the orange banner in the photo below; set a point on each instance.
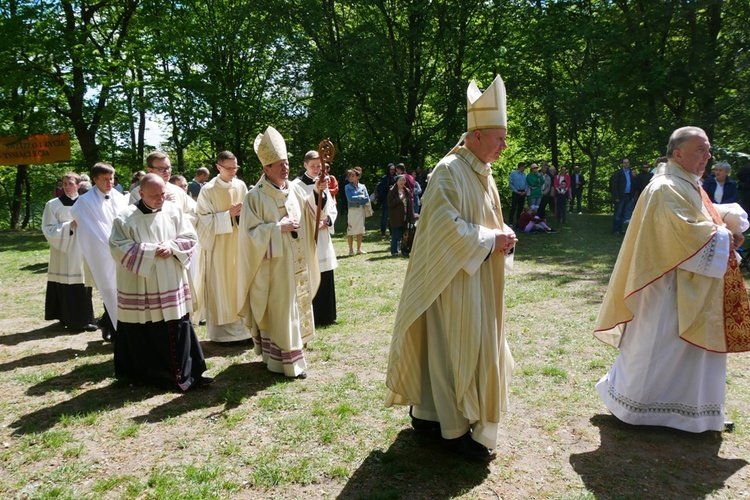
(35, 149)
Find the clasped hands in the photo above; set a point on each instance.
(235, 209)
(504, 240)
(163, 251)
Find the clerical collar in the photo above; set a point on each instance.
(66, 200)
(307, 180)
(141, 205)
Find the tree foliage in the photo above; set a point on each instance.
(588, 81)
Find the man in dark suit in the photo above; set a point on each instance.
(577, 181)
(622, 189)
(642, 179)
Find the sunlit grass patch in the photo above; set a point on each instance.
(128, 431)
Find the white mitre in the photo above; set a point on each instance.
(270, 147)
(488, 109)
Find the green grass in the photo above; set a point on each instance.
(68, 430)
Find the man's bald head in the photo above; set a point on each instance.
(153, 190)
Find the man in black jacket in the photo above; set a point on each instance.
(622, 187)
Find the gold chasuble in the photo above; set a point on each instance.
(670, 224)
(450, 264)
(278, 272)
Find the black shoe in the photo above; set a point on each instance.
(301, 376)
(90, 328)
(234, 343)
(421, 425)
(203, 381)
(106, 334)
(728, 426)
(468, 448)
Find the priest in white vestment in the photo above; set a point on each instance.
(68, 298)
(449, 357)
(94, 213)
(324, 302)
(278, 265)
(218, 211)
(152, 242)
(676, 302)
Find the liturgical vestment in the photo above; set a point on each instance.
(68, 298)
(668, 310)
(156, 343)
(279, 274)
(94, 213)
(453, 298)
(218, 233)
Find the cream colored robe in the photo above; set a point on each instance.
(151, 288)
(218, 233)
(65, 256)
(279, 274)
(670, 225)
(450, 263)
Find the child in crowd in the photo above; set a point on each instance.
(531, 222)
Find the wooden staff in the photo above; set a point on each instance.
(326, 152)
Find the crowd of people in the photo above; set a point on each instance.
(257, 265)
(540, 190)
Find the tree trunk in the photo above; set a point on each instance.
(15, 209)
(27, 216)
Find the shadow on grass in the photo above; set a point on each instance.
(89, 373)
(415, 466)
(22, 241)
(106, 398)
(93, 349)
(654, 462)
(40, 268)
(231, 387)
(47, 332)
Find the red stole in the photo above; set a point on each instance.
(736, 307)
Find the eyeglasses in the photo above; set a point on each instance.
(228, 168)
(161, 169)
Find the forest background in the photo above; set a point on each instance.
(588, 82)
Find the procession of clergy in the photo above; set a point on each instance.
(249, 264)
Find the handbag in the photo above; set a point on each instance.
(368, 209)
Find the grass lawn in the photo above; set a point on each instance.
(69, 430)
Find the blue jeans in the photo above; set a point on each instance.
(621, 209)
(396, 234)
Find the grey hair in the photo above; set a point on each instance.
(681, 136)
(724, 165)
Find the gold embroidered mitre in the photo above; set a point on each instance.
(488, 109)
(270, 147)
